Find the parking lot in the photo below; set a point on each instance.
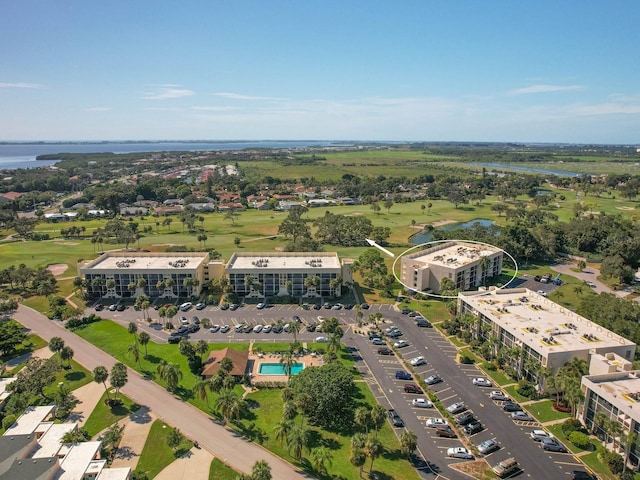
(512, 436)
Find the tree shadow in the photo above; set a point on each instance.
(152, 359)
(74, 376)
(394, 454)
(252, 432)
(377, 475)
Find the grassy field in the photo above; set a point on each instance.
(544, 412)
(104, 416)
(220, 471)
(156, 455)
(73, 378)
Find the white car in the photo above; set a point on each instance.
(214, 328)
(542, 292)
(436, 422)
(322, 339)
(481, 382)
(266, 329)
(456, 407)
(417, 361)
(538, 435)
(525, 417)
(498, 395)
(400, 344)
(459, 452)
(421, 403)
(257, 328)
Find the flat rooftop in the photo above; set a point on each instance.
(453, 254)
(541, 323)
(285, 261)
(620, 388)
(80, 461)
(51, 442)
(144, 261)
(29, 421)
(4, 383)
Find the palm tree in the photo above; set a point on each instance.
(298, 440)
(200, 390)
(373, 449)
(133, 329)
(201, 348)
(56, 344)
(287, 360)
(118, 378)
(408, 442)
(134, 351)
(615, 431)
(66, 354)
(357, 459)
(229, 404)
(320, 458)
(294, 328)
(378, 417)
(169, 283)
(630, 439)
(100, 375)
(261, 470)
(362, 417)
(289, 411)
(282, 429)
(144, 340)
(170, 373)
(599, 421)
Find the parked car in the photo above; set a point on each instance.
(447, 432)
(337, 306)
(225, 328)
(414, 362)
(195, 320)
(499, 396)
(421, 403)
(181, 329)
(394, 334)
(459, 452)
(277, 329)
(456, 407)
(183, 320)
(364, 306)
(435, 422)
(511, 407)
(552, 445)
(402, 375)
(324, 340)
(214, 328)
(396, 421)
(465, 418)
(317, 306)
(378, 341)
(193, 328)
(261, 305)
(385, 351)
(488, 446)
(538, 435)
(297, 319)
(224, 306)
(266, 328)
(405, 311)
(481, 382)
(506, 467)
(200, 306)
(311, 327)
(473, 427)
(257, 328)
(401, 344)
(581, 475)
(523, 416)
(113, 307)
(432, 379)
(98, 307)
(421, 322)
(412, 388)
(233, 307)
(238, 328)
(327, 306)
(174, 339)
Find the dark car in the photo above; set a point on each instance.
(311, 327)
(98, 307)
(277, 329)
(395, 418)
(421, 322)
(348, 306)
(234, 306)
(374, 335)
(511, 407)
(181, 329)
(364, 306)
(465, 418)
(195, 320)
(317, 306)
(447, 432)
(385, 351)
(402, 375)
(473, 427)
(405, 311)
(193, 328)
(173, 339)
(581, 475)
(121, 307)
(224, 306)
(297, 319)
(412, 388)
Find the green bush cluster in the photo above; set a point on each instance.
(526, 389)
(580, 440)
(614, 461)
(76, 323)
(490, 366)
(572, 425)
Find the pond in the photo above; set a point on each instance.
(560, 173)
(424, 237)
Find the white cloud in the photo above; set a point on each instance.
(19, 85)
(238, 96)
(544, 88)
(168, 91)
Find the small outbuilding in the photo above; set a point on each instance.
(239, 358)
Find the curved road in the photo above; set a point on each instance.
(589, 274)
(228, 446)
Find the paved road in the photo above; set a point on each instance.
(224, 444)
(589, 274)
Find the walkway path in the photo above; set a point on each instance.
(88, 397)
(237, 452)
(193, 465)
(43, 352)
(136, 429)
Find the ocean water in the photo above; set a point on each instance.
(23, 155)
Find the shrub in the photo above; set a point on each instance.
(76, 323)
(579, 439)
(572, 425)
(8, 421)
(628, 475)
(526, 389)
(465, 359)
(490, 366)
(560, 407)
(614, 461)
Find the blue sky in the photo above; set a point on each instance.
(543, 71)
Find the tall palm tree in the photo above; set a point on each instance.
(287, 360)
(200, 389)
(261, 470)
(373, 449)
(289, 411)
(56, 344)
(229, 404)
(362, 417)
(358, 459)
(297, 440)
(599, 421)
(134, 351)
(320, 458)
(132, 328)
(144, 340)
(282, 429)
(100, 375)
(170, 373)
(378, 417)
(66, 354)
(294, 328)
(408, 442)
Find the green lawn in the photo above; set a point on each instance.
(515, 395)
(593, 462)
(499, 377)
(72, 378)
(544, 412)
(156, 455)
(559, 434)
(104, 416)
(220, 471)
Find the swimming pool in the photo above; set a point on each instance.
(279, 368)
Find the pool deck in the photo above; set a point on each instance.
(256, 359)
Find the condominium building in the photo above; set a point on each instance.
(316, 274)
(548, 334)
(466, 264)
(613, 394)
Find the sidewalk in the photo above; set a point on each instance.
(88, 397)
(136, 430)
(43, 352)
(193, 465)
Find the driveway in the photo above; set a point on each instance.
(136, 429)
(88, 397)
(191, 466)
(237, 452)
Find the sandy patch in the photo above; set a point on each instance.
(57, 268)
(71, 244)
(441, 223)
(625, 208)
(279, 249)
(591, 212)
